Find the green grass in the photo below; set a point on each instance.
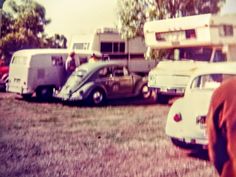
(52, 139)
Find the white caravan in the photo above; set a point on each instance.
(107, 44)
(187, 43)
(37, 71)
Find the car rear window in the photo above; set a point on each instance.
(210, 81)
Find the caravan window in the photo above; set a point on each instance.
(122, 47)
(188, 53)
(116, 47)
(112, 47)
(219, 56)
(20, 60)
(106, 46)
(226, 30)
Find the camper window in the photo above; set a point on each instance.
(196, 53)
(115, 47)
(106, 47)
(188, 53)
(219, 56)
(226, 30)
(122, 47)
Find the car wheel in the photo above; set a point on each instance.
(26, 96)
(162, 99)
(145, 92)
(181, 144)
(44, 93)
(97, 97)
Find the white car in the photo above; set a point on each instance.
(186, 118)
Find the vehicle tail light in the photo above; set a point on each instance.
(201, 119)
(177, 117)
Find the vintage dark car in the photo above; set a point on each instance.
(99, 81)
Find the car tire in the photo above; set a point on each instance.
(26, 96)
(97, 97)
(145, 92)
(181, 144)
(44, 93)
(162, 99)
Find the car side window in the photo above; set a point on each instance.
(120, 71)
(105, 72)
(196, 83)
(126, 73)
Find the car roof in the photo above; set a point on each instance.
(99, 64)
(30, 52)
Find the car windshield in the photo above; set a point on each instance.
(209, 81)
(75, 78)
(189, 53)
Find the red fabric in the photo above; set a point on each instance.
(4, 70)
(221, 126)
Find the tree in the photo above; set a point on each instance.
(24, 27)
(133, 13)
(6, 25)
(1, 5)
(131, 18)
(56, 41)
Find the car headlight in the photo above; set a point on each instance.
(78, 95)
(150, 77)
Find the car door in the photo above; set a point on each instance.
(123, 81)
(106, 80)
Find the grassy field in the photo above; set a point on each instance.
(124, 139)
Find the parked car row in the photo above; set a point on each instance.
(42, 72)
(95, 82)
(98, 81)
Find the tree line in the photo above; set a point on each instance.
(23, 27)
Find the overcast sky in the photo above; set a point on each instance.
(71, 17)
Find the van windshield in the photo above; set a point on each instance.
(189, 53)
(19, 60)
(75, 79)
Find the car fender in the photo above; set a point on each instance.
(177, 107)
(138, 86)
(89, 87)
